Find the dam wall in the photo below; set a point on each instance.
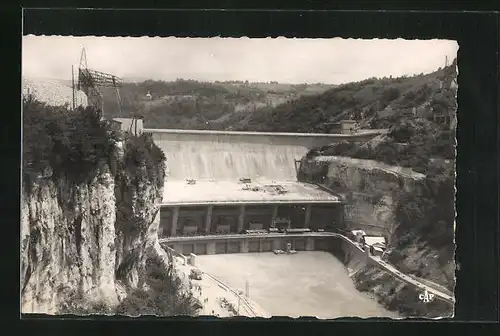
(344, 249)
(221, 155)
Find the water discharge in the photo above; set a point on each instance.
(221, 161)
(305, 284)
(233, 155)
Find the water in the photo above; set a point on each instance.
(203, 155)
(306, 284)
(212, 161)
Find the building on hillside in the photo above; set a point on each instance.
(443, 118)
(343, 127)
(115, 125)
(126, 125)
(131, 125)
(371, 240)
(376, 244)
(376, 250)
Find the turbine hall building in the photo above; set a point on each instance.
(193, 207)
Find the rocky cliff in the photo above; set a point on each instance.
(371, 188)
(88, 237)
(378, 196)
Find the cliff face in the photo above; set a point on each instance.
(84, 237)
(67, 235)
(372, 188)
(374, 191)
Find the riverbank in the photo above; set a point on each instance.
(398, 296)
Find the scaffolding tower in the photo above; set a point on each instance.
(89, 81)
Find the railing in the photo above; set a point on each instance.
(234, 292)
(411, 281)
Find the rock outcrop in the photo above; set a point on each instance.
(374, 191)
(371, 188)
(137, 222)
(67, 235)
(85, 237)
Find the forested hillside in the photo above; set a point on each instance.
(417, 138)
(375, 103)
(189, 104)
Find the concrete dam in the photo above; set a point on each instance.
(221, 155)
(205, 194)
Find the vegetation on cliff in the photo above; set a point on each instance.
(63, 142)
(75, 146)
(77, 142)
(163, 295)
(427, 224)
(419, 144)
(144, 160)
(425, 216)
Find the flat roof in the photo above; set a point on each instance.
(371, 240)
(258, 192)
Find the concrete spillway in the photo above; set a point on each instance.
(221, 155)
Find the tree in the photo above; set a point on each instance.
(70, 143)
(165, 295)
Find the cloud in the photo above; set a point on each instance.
(281, 59)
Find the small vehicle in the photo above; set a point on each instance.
(278, 251)
(255, 231)
(195, 274)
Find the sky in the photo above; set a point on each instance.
(285, 60)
